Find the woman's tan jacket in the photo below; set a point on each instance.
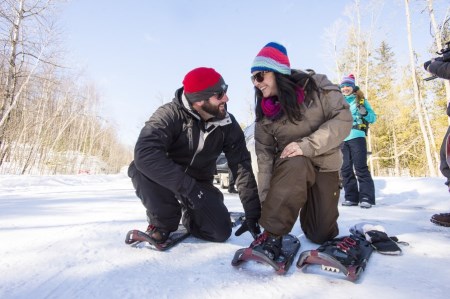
(325, 124)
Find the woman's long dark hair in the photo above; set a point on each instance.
(287, 95)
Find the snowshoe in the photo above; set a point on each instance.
(347, 255)
(136, 237)
(237, 218)
(257, 252)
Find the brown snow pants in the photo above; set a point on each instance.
(299, 189)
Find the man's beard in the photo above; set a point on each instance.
(215, 110)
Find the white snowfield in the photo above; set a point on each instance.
(63, 237)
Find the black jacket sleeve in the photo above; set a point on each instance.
(440, 68)
(239, 162)
(150, 154)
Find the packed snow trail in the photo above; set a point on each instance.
(63, 237)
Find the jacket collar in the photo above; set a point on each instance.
(181, 99)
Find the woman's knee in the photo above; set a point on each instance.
(320, 236)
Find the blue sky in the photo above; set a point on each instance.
(137, 52)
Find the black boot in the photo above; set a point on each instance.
(269, 244)
(231, 189)
(442, 219)
(157, 234)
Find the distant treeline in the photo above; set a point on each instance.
(412, 120)
(49, 117)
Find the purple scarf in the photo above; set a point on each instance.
(271, 106)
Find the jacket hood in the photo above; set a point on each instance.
(181, 100)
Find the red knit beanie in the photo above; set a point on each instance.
(202, 83)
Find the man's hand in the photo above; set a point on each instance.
(251, 225)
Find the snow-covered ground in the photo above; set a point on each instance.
(63, 237)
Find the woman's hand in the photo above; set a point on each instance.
(291, 150)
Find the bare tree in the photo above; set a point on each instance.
(426, 140)
(439, 43)
(48, 121)
(331, 37)
(27, 39)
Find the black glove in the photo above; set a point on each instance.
(426, 65)
(251, 225)
(196, 197)
(377, 236)
(382, 243)
(362, 110)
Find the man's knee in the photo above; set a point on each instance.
(222, 234)
(218, 234)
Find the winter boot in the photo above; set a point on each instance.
(349, 203)
(269, 244)
(365, 204)
(231, 189)
(272, 246)
(160, 236)
(442, 219)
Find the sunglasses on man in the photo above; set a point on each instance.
(258, 77)
(221, 94)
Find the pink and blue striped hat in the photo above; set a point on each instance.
(348, 81)
(273, 57)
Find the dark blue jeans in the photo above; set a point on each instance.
(355, 172)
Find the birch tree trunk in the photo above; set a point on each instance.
(438, 40)
(11, 79)
(366, 92)
(396, 156)
(430, 132)
(426, 140)
(358, 38)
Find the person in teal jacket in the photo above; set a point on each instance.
(356, 178)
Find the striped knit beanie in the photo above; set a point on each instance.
(273, 57)
(348, 81)
(202, 83)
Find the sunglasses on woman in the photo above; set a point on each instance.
(258, 77)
